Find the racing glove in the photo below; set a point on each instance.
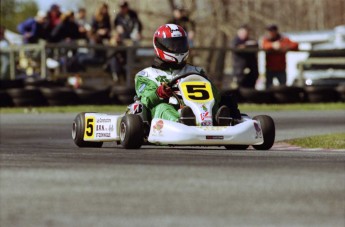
(164, 91)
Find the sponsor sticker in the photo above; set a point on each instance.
(205, 115)
(157, 128)
(214, 137)
(206, 123)
(197, 91)
(98, 127)
(256, 126)
(203, 107)
(89, 127)
(213, 128)
(141, 73)
(101, 135)
(258, 130)
(142, 88)
(103, 120)
(137, 108)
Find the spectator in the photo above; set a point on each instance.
(101, 26)
(67, 30)
(117, 60)
(100, 31)
(127, 23)
(5, 61)
(245, 64)
(53, 18)
(277, 46)
(181, 18)
(84, 26)
(33, 29)
(92, 56)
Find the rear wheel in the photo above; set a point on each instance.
(268, 132)
(236, 147)
(78, 129)
(131, 131)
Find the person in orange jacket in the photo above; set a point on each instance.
(276, 46)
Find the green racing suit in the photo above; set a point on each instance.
(147, 82)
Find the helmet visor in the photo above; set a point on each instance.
(173, 45)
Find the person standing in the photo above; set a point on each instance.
(67, 30)
(245, 64)
(276, 46)
(117, 59)
(84, 26)
(33, 29)
(100, 32)
(101, 26)
(4, 57)
(128, 24)
(53, 19)
(180, 17)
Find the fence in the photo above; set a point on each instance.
(216, 60)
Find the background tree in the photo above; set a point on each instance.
(14, 12)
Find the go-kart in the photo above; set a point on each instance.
(136, 128)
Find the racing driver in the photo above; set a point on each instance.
(171, 46)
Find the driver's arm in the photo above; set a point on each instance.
(146, 90)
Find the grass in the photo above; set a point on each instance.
(330, 141)
(122, 108)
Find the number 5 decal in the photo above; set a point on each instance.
(89, 127)
(197, 91)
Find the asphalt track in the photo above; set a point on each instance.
(46, 181)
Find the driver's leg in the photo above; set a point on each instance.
(165, 111)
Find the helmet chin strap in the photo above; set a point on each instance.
(160, 64)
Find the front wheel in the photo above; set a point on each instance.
(78, 129)
(268, 132)
(131, 131)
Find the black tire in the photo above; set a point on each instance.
(236, 147)
(60, 96)
(233, 93)
(268, 132)
(125, 99)
(93, 97)
(321, 94)
(254, 96)
(9, 84)
(131, 131)
(122, 94)
(285, 94)
(27, 97)
(5, 99)
(78, 129)
(28, 102)
(38, 83)
(122, 90)
(341, 91)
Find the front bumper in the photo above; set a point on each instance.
(166, 132)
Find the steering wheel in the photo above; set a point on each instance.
(175, 79)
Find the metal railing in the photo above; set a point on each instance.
(135, 51)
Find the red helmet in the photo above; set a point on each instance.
(171, 43)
